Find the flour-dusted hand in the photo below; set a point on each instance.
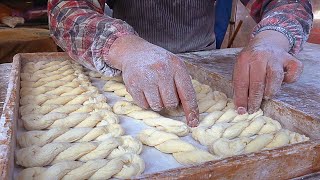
(261, 68)
(153, 76)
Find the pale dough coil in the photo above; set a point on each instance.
(52, 153)
(32, 67)
(185, 153)
(123, 167)
(55, 135)
(229, 115)
(115, 78)
(224, 147)
(151, 118)
(231, 130)
(208, 100)
(55, 119)
(44, 99)
(117, 88)
(68, 109)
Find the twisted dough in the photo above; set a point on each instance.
(208, 100)
(182, 151)
(247, 128)
(53, 153)
(32, 67)
(44, 99)
(151, 118)
(118, 88)
(123, 167)
(69, 109)
(62, 74)
(229, 115)
(57, 96)
(54, 135)
(224, 147)
(55, 119)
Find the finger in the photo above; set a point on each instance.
(274, 80)
(153, 97)
(257, 71)
(138, 97)
(168, 93)
(187, 95)
(241, 82)
(293, 69)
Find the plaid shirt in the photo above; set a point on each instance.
(81, 28)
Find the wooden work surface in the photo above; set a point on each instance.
(4, 78)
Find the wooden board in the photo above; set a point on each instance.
(281, 163)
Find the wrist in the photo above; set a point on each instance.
(274, 39)
(120, 48)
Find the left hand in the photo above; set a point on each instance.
(261, 68)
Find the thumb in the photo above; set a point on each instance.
(293, 69)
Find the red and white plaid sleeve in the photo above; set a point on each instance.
(85, 33)
(293, 18)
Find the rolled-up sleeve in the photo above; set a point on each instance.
(82, 30)
(293, 18)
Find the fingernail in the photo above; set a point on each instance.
(241, 110)
(193, 120)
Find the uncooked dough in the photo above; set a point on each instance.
(52, 153)
(230, 130)
(151, 118)
(123, 167)
(71, 127)
(41, 138)
(183, 152)
(224, 147)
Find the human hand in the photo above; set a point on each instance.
(261, 68)
(154, 77)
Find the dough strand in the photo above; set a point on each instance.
(185, 153)
(123, 167)
(52, 153)
(40, 138)
(151, 118)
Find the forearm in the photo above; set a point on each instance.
(85, 33)
(292, 18)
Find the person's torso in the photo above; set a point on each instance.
(176, 25)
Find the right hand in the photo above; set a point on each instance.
(154, 77)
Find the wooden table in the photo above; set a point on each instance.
(24, 40)
(302, 96)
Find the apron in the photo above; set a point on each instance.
(176, 25)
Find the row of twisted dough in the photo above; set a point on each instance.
(227, 133)
(52, 153)
(80, 106)
(59, 97)
(184, 152)
(122, 167)
(151, 118)
(61, 134)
